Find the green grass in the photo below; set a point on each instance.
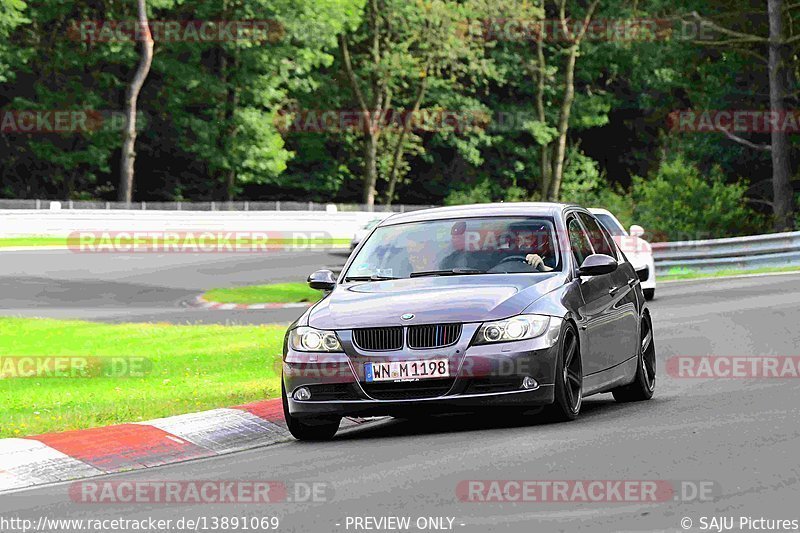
(9, 242)
(192, 368)
(676, 274)
(256, 294)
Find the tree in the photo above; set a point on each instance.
(401, 50)
(128, 155)
(59, 68)
(224, 97)
(678, 202)
(11, 16)
(554, 151)
(779, 148)
(783, 195)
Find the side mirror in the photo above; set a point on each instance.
(636, 231)
(322, 280)
(597, 265)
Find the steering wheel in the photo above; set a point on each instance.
(520, 258)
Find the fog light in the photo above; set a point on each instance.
(302, 394)
(527, 383)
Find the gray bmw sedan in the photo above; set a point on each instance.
(450, 309)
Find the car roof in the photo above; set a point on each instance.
(478, 210)
(599, 211)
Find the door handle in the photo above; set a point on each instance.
(614, 290)
(632, 282)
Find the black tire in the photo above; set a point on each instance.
(313, 429)
(644, 384)
(568, 382)
(649, 294)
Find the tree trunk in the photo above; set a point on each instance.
(783, 195)
(397, 156)
(230, 188)
(370, 168)
(544, 164)
(125, 193)
(370, 131)
(229, 130)
(563, 125)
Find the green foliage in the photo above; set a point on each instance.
(421, 50)
(797, 216)
(586, 186)
(679, 202)
(211, 108)
(480, 194)
(11, 16)
(225, 111)
(57, 71)
(487, 191)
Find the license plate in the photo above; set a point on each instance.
(406, 370)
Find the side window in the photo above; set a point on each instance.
(578, 240)
(598, 237)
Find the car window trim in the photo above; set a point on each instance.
(619, 256)
(573, 213)
(603, 233)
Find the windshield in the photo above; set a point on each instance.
(491, 245)
(611, 224)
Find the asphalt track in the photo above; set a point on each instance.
(740, 435)
(147, 287)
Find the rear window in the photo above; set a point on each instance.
(611, 225)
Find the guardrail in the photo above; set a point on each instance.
(745, 253)
(288, 224)
(757, 251)
(277, 205)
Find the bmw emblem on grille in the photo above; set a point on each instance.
(407, 316)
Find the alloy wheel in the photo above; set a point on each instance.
(573, 372)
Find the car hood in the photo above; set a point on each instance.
(472, 298)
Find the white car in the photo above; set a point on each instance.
(637, 250)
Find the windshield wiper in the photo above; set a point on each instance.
(448, 272)
(373, 277)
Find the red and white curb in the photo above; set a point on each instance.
(56, 457)
(202, 302)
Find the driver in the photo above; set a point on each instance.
(517, 240)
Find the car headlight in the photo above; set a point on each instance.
(512, 329)
(305, 339)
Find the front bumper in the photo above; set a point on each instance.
(444, 404)
(648, 268)
(481, 376)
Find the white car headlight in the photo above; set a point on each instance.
(305, 339)
(512, 329)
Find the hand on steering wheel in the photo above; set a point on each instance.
(536, 261)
